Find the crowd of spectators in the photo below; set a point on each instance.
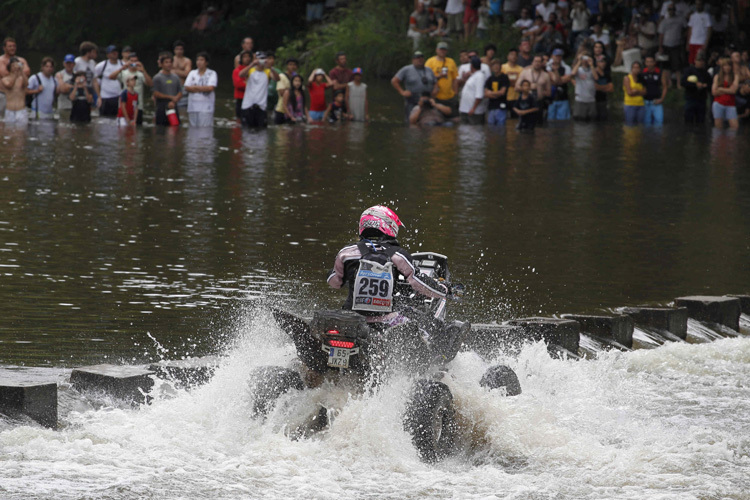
(697, 48)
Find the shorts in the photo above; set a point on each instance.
(454, 22)
(693, 51)
(317, 116)
(676, 58)
(558, 110)
(201, 118)
(497, 117)
(2, 104)
(20, 117)
(109, 106)
(471, 16)
(584, 110)
(719, 111)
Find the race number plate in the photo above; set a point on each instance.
(339, 357)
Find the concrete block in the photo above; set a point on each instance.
(121, 381)
(35, 400)
(488, 340)
(187, 372)
(671, 319)
(564, 333)
(722, 310)
(618, 328)
(744, 302)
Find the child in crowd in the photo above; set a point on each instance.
(127, 112)
(336, 110)
(526, 108)
(82, 99)
(317, 84)
(294, 101)
(356, 97)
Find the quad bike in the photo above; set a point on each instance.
(339, 346)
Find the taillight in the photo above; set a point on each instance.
(341, 343)
(333, 332)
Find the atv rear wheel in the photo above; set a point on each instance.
(431, 420)
(501, 376)
(269, 383)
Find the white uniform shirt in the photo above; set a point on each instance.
(201, 102)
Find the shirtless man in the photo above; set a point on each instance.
(14, 85)
(9, 48)
(181, 66)
(247, 46)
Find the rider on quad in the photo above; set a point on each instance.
(373, 265)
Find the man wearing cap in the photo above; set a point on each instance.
(9, 50)
(472, 105)
(65, 78)
(560, 75)
(412, 80)
(110, 89)
(340, 75)
(282, 87)
(446, 72)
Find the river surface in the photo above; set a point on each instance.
(130, 247)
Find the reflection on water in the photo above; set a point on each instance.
(108, 234)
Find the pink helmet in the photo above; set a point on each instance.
(381, 218)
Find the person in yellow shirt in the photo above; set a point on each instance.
(446, 71)
(634, 91)
(512, 69)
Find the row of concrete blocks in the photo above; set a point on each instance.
(39, 400)
(562, 335)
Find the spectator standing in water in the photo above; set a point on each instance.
(560, 75)
(134, 67)
(446, 72)
(43, 87)
(86, 62)
(200, 86)
(540, 84)
(294, 100)
(725, 86)
(181, 66)
(697, 82)
(82, 99)
(341, 75)
(239, 83)
(282, 87)
(526, 107)
(127, 116)
(337, 111)
(317, 85)
(15, 84)
(167, 90)
(471, 108)
(9, 51)
(65, 80)
(110, 89)
(356, 98)
(584, 107)
(634, 92)
(255, 102)
(603, 85)
(412, 81)
(247, 46)
(657, 85)
(495, 90)
(512, 69)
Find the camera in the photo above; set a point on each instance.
(133, 65)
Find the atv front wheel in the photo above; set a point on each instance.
(269, 383)
(431, 420)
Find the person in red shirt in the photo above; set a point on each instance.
(239, 84)
(127, 113)
(317, 84)
(340, 75)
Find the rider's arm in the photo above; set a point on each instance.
(336, 278)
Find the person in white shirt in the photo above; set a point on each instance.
(110, 89)
(525, 20)
(472, 107)
(255, 100)
(545, 8)
(699, 31)
(86, 62)
(200, 85)
(43, 87)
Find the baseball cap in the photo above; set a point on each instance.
(69, 58)
(260, 55)
(110, 48)
(357, 71)
(417, 54)
(558, 52)
(442, 45)
(476, 63)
